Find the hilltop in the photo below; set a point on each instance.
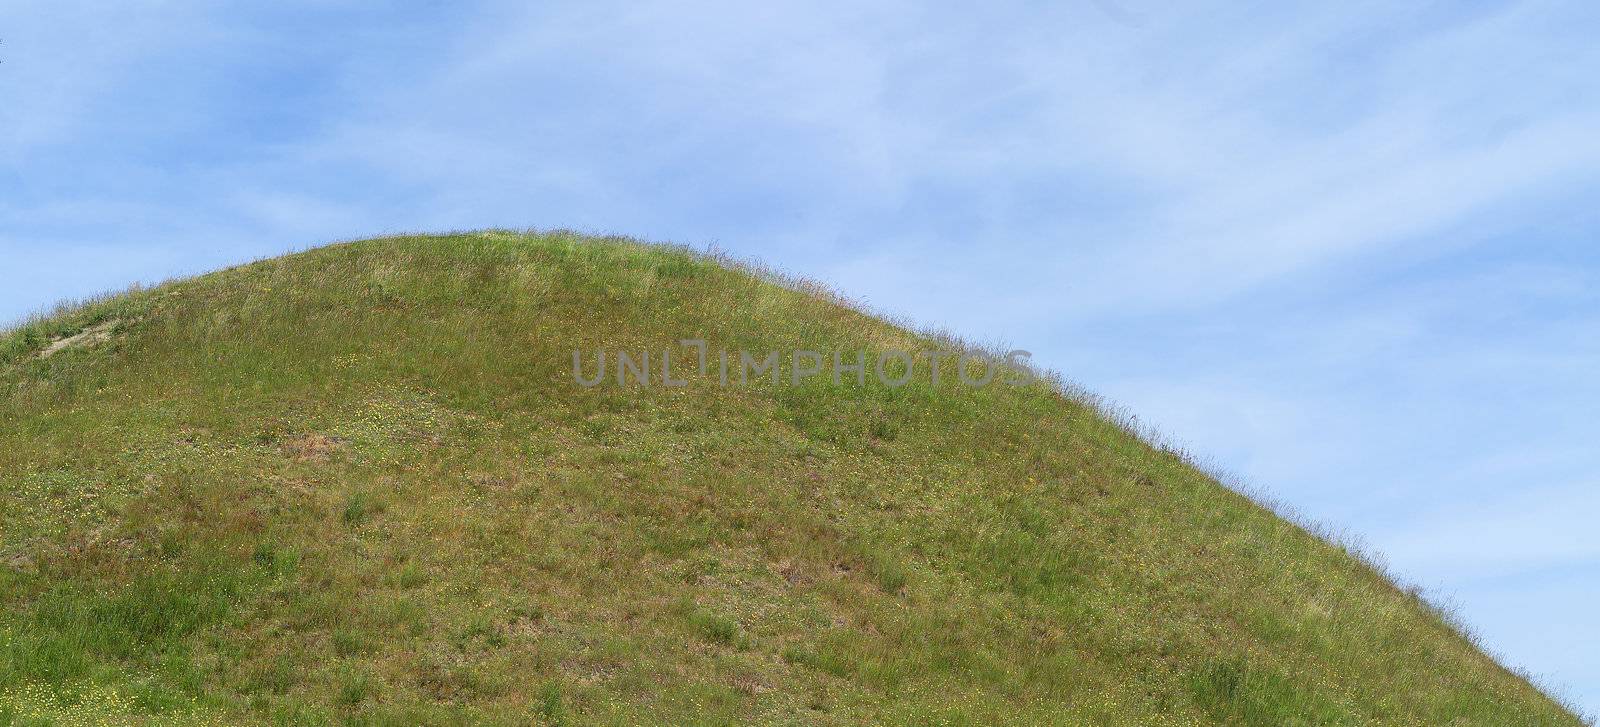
(363, 484)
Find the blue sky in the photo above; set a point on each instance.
(1347, 250)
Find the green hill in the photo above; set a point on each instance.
(362, 484)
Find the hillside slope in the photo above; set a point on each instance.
(361, 484)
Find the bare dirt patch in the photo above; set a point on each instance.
(21, 562)
(88, 337)
(313, 447)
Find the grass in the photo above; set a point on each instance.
(360, 485)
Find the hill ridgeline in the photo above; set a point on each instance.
(505, 478)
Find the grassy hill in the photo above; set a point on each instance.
(361, 485)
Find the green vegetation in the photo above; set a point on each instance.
(360, 485)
